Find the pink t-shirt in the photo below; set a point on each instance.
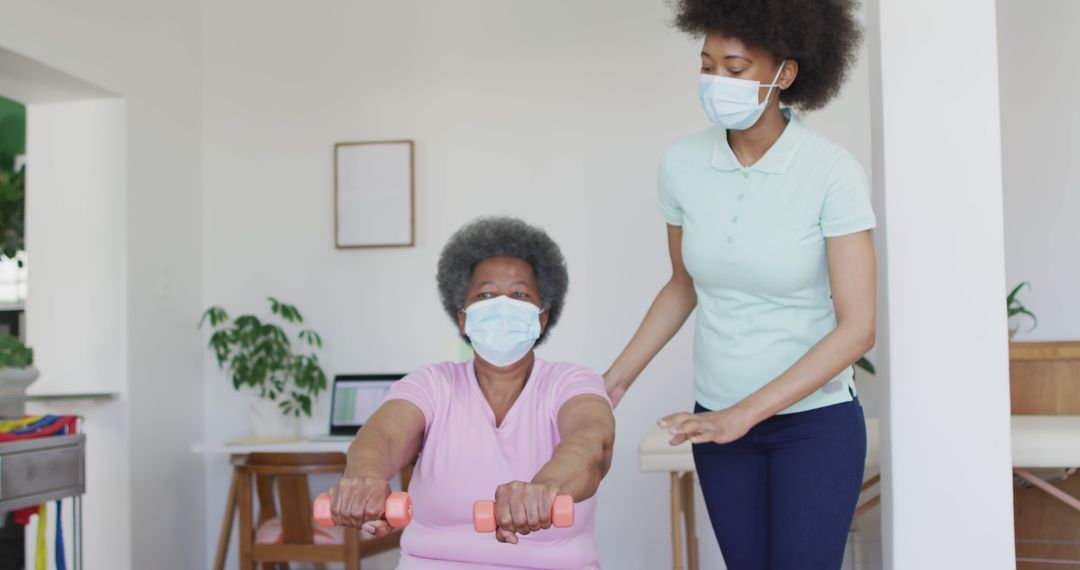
(465, 457)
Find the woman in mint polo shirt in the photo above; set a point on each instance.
(768, 228)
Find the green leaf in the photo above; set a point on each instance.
(287, 312)
(1023, 311)
(311, 337)
(1014, 307)
(216, 316)
(866, 365)
(1016, 290)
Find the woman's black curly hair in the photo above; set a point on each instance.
(822, 35)
(502, 237)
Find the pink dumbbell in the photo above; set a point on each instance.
(562, 514)
(398, 510)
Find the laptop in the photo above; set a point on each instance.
(354, 397)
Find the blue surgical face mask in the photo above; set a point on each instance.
(502, 330)
(733, 103)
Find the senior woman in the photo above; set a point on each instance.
(768, 229)
(506, 425)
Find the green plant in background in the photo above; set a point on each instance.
(1014, 307)
(12, 181)
(12, 212)
(866, 365)
(259, 355)
(15, 354)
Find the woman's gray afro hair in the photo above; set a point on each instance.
(502, 237)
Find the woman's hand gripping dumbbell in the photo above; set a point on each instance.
(522, 508)
(365, 503)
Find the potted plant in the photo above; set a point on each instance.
(1015, 308)
(281, 379)
(17, 369)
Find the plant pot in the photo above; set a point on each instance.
(16, 380)
(1015, 323)
(267, 421)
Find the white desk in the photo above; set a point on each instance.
(283, 445)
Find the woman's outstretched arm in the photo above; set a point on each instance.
(388, 441)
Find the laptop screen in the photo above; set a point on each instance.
(355, 398)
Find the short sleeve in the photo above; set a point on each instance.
(419, 389)
(576, 381)
(667, 204)
(846, 208)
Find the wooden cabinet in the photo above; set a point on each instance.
(1045, 380)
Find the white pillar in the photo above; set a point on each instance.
(77, 300)
(947, 494)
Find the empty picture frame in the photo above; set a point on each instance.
(374, 194)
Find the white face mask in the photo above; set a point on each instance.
(502, 330)
(733, 103)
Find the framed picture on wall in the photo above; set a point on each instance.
(374, 194)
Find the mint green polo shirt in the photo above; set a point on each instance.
(754, 243)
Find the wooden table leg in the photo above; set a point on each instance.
(226, 523)
(244, 504)
(676, 530)
(688, 516)
(874, 501)
(1052, 490)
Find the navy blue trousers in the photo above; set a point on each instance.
(783, 496)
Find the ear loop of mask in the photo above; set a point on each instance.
(774, 83)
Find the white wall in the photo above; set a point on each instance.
(554, 112)
(1039, 125)
(946, 409)
(147, 53)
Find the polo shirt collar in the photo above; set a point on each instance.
(776, 159)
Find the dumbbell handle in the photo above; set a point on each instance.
(397, 512)
(562, 514)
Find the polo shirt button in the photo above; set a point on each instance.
(730, 239)
(742, 196)
(735, 219)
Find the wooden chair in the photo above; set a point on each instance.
(288, 472)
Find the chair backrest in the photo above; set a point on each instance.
(287, 472)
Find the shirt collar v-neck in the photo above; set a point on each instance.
(776, 159)
(512, 412)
